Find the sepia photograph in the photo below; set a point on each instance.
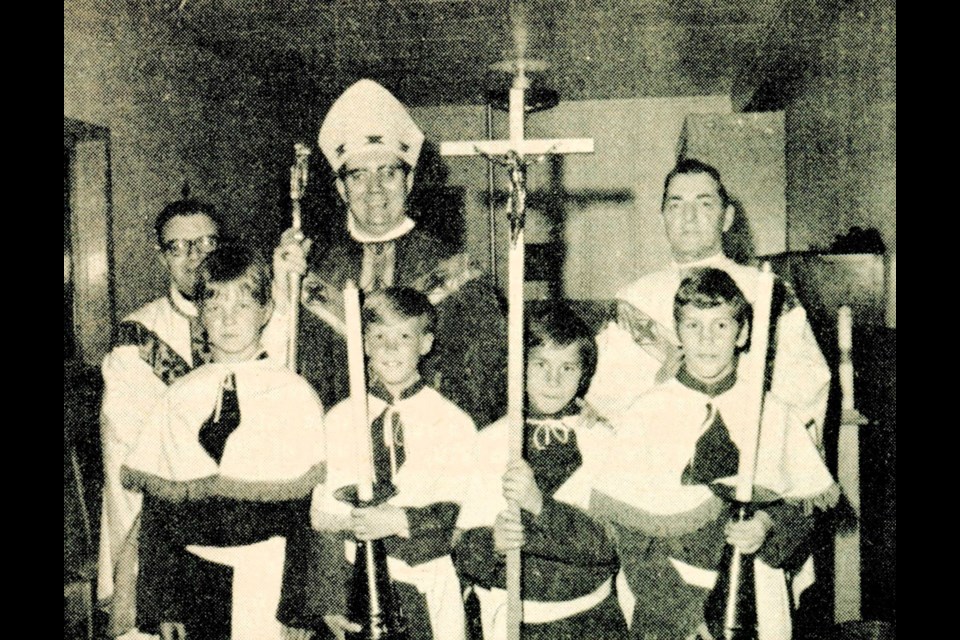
(479, 320)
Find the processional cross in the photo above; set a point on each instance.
(513, 154)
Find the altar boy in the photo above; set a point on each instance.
(678, 448)
(226, 463)
(568, 562)
(423, 445)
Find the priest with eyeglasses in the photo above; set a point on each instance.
(152, 347)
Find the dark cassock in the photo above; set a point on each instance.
(373, 145)
(569, 563)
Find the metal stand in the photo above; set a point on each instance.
(372, 602)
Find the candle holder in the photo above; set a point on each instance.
(731, 608)
(372, 602)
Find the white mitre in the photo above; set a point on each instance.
(368, 117)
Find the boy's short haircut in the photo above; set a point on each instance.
(689, 166)
(708, 287)
(231, 262)
(186, 207)
(556, 323)
(403, 302)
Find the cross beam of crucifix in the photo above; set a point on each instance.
(544, 260)
(512, 153)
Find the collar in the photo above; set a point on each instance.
(554, 426)
(243, 368)
(572, 409)
(261, 355)
(713, 389)
(180, 303)
(363, 237)
(378, 390)
(717, 260)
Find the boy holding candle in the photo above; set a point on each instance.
(569, 564)
(423, 445)
(226, 463)
(677, 448)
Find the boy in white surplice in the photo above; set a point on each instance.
(676, 448)
(152, 347)
(226, 464)
(423, 445)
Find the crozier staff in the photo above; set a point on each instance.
(298, 182)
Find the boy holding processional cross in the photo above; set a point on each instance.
(226, 463)
(423, 445)
(569, 564)
(679, 447)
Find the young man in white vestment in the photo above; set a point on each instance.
(642, 347)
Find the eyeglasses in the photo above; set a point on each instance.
(387, 175)
(181, 247)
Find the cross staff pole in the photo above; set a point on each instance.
(511, 153)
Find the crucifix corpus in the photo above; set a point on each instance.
(513, 154)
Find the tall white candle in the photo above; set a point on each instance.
(358, 391)
(756, 379)
(845, 342)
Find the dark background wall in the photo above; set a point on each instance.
(216, 94)
(841, 131)
(176, 112)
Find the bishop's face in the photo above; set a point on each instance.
(375, 186)
(695, 217)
